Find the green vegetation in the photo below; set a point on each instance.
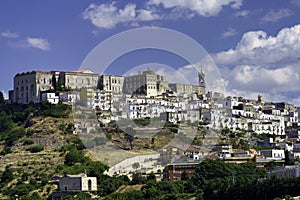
(1, 98)
(35, 148)
(142, 122)
(15, 118)
(28, 141)
(215, 179)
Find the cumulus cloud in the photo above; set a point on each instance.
(201, 7)
(296, 2)
(257, 47)
(275, 15)
(108, 15)
(39, 43)
(229, 33)
(242, 13)
(8, 34)
(273, 84)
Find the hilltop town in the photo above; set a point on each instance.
(141, 123)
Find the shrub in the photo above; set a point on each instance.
(74, 156)
(14, 135)
(28, 142)
(6, 150)
(35, 148)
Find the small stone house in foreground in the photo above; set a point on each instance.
(80, 182)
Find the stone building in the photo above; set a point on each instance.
(190, 89)
(111, 83)
(28, 86)
(78, 79)
(146, 83)
(80, 182)
(71, 185)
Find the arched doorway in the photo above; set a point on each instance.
(89, 184)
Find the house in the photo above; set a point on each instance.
(80, 182)
(193, 152)
(51, 97)
(174, 171)
(74, 184)
(274, 154)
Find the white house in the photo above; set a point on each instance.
(51, 97)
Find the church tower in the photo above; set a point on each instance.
(201, 77)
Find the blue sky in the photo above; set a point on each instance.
(254, 43)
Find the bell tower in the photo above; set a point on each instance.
(201, 77)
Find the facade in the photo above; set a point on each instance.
(146, 84)
(51, 97)
(112, 84)
(78, 79)
(69, 96)
(28, 86)
(80, 182)
(273, 154)
(285, 172)
(186, 89)
(174, 171)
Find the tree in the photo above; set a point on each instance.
(184, 176)
(36, 148)
(135, 165)
(7, 175)
(74, 156)
(287, 159)
(14, 135)
(129, 136)
(1, 98)
(6, 122)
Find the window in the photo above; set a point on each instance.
(89, 184)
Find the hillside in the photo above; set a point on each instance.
(37, 143)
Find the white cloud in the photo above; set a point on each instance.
(275, 15)
(242, 13)
(274, 84)
(8, 34)
(229, 33)
(264, 64)
(108, 15)
(296, 2)
(259, 48)
(39, 43)
(201, 7)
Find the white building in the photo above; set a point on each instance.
(80, 182)
(51, 97)
(274, 154)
